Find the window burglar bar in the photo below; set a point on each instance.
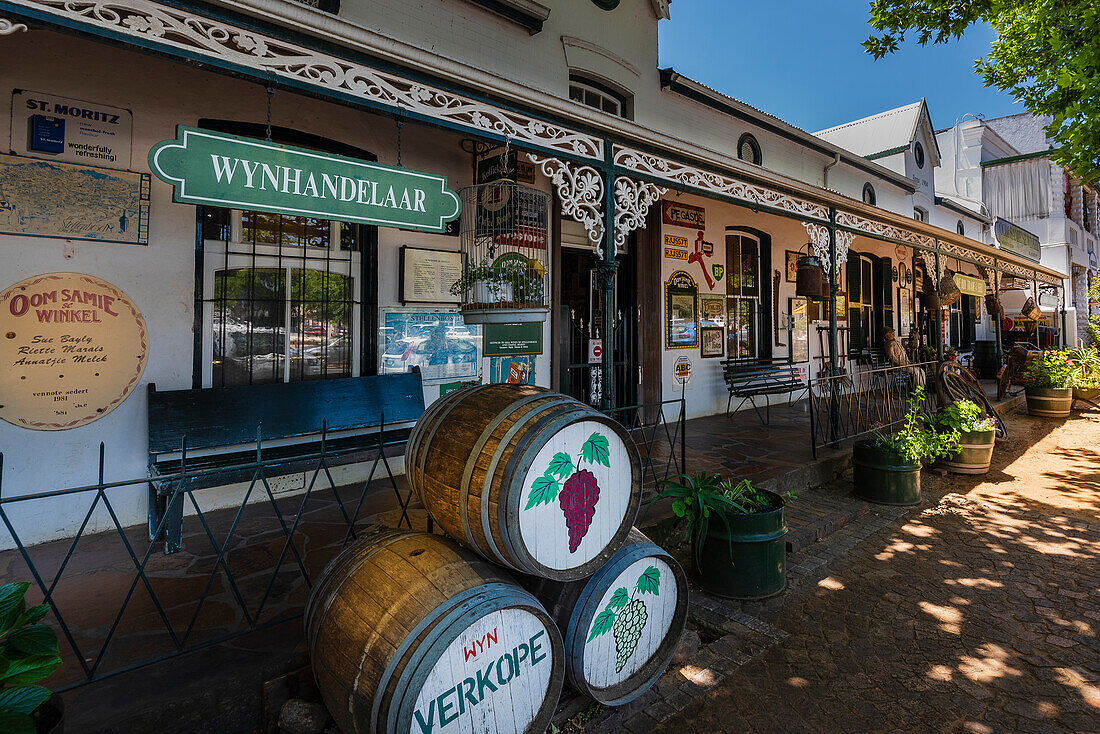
(849, 405)
(310, 536)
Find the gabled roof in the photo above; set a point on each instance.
(883, 134)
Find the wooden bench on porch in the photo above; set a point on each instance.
(215, 435)
(748, 379)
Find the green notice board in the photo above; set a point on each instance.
(513, 340)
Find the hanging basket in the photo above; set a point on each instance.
(931, 295)
(1031, 309)
(949, 290)
(993, 305)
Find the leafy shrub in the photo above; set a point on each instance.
(916, 441)
(1085, 362)
(964, 416)
(1052, 370)
(28, 653)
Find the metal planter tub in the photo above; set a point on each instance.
(884, 477)
(749, 561)
(975, 453)
(1049, 402)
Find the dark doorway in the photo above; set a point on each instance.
(583, 317)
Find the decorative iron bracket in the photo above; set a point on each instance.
(632, 202)
(7, 27)
(819, 238)
(580, 189)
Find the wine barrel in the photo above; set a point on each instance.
(409, 632)
(530, 479)
(621, 625)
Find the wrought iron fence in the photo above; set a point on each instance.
(854, 403)
(241, 569)
(659, 430)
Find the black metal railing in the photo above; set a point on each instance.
(851, 404)
(252, 557)
(659, 430)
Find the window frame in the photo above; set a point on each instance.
(758, 154)
(960, 228)
(742, 294)
(869, 189)
(589, 85)
(918, 155)
(920, 214)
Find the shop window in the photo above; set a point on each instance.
(281, 298)
(749, 150)
(599, 96)
(869, 196)
(742, 295)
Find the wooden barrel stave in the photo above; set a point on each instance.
(469, 460)
(575, 605)
(384, 611)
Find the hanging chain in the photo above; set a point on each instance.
(504, 156)
(270, 98)
(400, 123)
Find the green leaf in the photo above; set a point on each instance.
(601, 624)
(595, 450)
(561, 465)
(650, 581)
(13, 723)
(37, 639)
(29, 670)
(11, 599)
(543, 491)
(23, 699)
(33, 614)
(619, 599)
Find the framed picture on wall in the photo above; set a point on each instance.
(681, 311)
(712, 310)
(792, 266)
(712, 341)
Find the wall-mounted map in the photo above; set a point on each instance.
(73, 201)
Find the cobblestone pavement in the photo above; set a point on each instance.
(976, 612)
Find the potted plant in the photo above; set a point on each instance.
(887, 466)
(1085, 362)
(1048, 385)
(510, 288)
(951, 354)
(977, 435)
(743, 554)
(28, 653)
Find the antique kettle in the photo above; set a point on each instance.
(810, 280)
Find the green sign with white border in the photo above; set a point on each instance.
(513, 340)
(207, 167)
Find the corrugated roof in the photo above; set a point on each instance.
(887, 130)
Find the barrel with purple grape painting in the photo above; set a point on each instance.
(531, 479)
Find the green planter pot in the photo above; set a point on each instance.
(757, 565)
(975, 453)
(1049, 402)
(883, 477)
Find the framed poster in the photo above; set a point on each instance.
(427, 275)
(681, 311)
(792, 266)
(712, 310)
(905, 311)
(798, 328)
(712, 341)
(436, 340)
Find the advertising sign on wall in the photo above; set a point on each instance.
(1017, 240)
(72, 348)
(512, 340)
(681, 311)
(73, 201)
(683, 215)
(207, 167)
(70, 130)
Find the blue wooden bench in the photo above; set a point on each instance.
(214, 436)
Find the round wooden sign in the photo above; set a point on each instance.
(578, 492)
(72, 348)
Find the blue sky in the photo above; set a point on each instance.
(801, 61)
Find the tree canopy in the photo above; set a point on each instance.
(1047, 55)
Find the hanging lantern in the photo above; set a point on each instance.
(810, 280)
(504, 235)
(948, 290)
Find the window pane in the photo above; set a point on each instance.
(276, 229)
(610, 105)
(321, 325)
(576, 94)
(733, 265)
(741, 323)
(351, 237)
(749, 267)
(249, 326)
(260, 227)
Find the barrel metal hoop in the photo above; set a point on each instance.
(448, 607)
(414, 441)
(470, 607)
(519, 463)
(451, 404)
(464, 497)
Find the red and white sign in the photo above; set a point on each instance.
(595, 351)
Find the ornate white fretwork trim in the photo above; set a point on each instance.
(948, 248)
(847, 219)
(580, 189)
(632, 202)
(684, 175)
(819, 238)
(204, 37)
(929, 258)
(7, 27)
